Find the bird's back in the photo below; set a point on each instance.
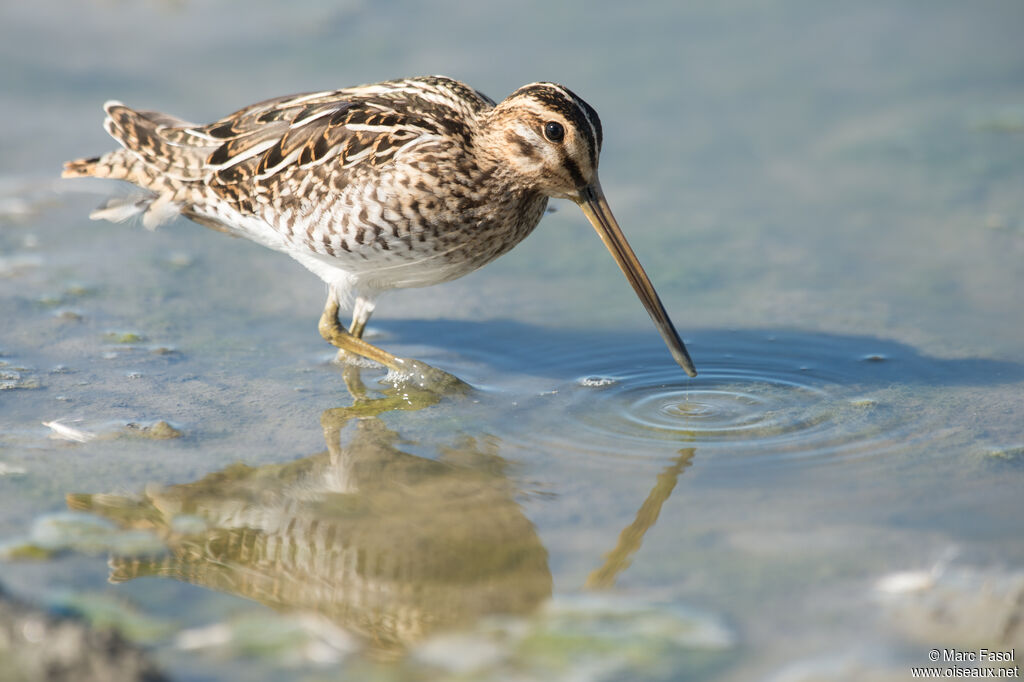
(249, 152)
(377, 178)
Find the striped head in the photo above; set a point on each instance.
(549, 137)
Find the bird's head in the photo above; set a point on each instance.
(549, 140)
(549, 137)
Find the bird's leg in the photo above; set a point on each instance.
(338, 336)
(408, 370)
(361, 312)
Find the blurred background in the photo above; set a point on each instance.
(830, 200)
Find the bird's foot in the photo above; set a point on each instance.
(409, 372)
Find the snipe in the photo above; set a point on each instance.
(404, 183)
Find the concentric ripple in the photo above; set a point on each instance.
(757, 396)
(743, 409)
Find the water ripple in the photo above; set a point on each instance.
(756, 398)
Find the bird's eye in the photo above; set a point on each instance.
(554, 131)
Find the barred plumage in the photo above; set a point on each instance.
(390, 546)
(404, 183)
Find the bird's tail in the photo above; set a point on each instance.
(82, 168)
(153, 205)
(143, 160)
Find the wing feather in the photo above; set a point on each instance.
(247, 152)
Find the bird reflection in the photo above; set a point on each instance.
(387, 545)
(632, 536)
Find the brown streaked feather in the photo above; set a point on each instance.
(405, 183)
(285, 135)
(145, 134)
(305, 136)
(81, 168)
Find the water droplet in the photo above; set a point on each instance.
(596, 381)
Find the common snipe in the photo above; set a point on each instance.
(404, 183)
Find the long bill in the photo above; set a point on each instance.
(595, 207)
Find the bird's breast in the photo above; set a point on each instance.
(415, 225)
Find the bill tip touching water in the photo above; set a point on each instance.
(405, 183)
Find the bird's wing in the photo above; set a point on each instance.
(353, 127)
(364, 125)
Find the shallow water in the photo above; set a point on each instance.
(828, 200)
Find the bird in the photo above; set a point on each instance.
(403, 183)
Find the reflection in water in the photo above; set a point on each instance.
(632, 536)
(387, 545)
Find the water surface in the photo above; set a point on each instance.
(828, 200)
